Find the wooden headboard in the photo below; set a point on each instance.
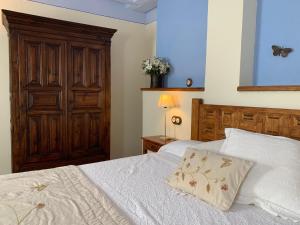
(209, 121)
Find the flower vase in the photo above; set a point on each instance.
(156, 81)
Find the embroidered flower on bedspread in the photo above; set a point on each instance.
(21, 218)
(39, 187)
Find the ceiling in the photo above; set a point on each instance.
(139, 5)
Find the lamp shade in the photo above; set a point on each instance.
(166, 101)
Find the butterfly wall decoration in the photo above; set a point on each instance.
(281, 51)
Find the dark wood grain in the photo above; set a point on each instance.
(153, 143)
(270, 88)
(174, 89)
(195, 118)
(60, 91)
(210, 121)
(43, 25)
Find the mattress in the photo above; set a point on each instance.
(137, 186)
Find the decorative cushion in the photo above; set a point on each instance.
(209, 176)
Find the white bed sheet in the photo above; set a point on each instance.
(137, 185)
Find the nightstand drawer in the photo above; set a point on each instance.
(148, 145)
(153, 143)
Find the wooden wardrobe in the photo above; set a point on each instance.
(60, 91)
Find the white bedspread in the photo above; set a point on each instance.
(60, 196)
(137, 185)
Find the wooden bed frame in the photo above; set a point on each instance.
(209, 121)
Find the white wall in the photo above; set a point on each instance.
(248, 43)
(224, 38)
(153, 117)
(130, 45)
(151, 36)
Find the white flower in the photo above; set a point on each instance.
(149, 67)
(156, 62)
(163, 69)
(155, 65)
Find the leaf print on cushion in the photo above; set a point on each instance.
(226, 162)
(224, 187)
(192, 155)
(208, 188)
(204, 159)
(193, 183)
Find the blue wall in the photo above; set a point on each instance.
(278, 22)
(181, 38)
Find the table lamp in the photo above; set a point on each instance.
(166, 102)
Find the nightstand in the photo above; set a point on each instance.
(153, 143)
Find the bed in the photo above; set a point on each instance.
(138, 194)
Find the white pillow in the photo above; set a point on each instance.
(274, 181)
(212, 146)
(179, 147)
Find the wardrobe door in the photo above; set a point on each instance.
(86, 101)
(42, 97)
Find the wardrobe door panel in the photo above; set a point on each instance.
(78, 68)
(86, 102)
(78, 134)
(95, 132)
(55, 129)
(32, 48)
(34, 136)
(54, 55)
(44, 138)
(96, 67)
(84, 99)
(42, 100)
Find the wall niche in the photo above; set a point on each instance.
(268, 23)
